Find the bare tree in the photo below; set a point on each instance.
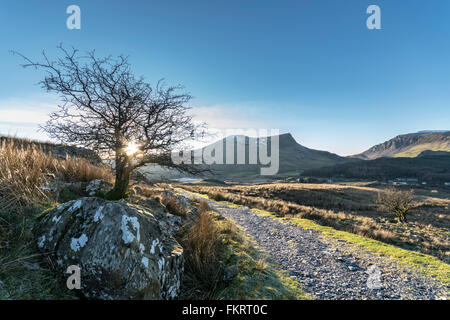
(398, 202)
(106, 108)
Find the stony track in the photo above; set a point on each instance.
(331, 269)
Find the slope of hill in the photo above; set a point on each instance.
(57, 150)
(294, 159)
(409, 145)
(434, 169)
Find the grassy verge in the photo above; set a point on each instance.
(256, 277)
(423, 263)
(427, 232)
(222, 262)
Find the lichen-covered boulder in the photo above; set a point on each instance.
(122, 249)
(171, 222)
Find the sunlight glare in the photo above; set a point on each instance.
(132, 148)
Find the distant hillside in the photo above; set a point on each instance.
(294, 159)
(431, 168)
(409, 145)
(428, 153)
(57, 150)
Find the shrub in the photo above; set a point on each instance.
(397, 202)
(201, 245)
(217, 196)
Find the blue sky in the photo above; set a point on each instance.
(309, 67)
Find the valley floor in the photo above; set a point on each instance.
(329, 268)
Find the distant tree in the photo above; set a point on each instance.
(397, 202)
(107, 109)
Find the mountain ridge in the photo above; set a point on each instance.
(408, 145)
(294, 158)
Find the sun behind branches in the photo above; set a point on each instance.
(132, 148)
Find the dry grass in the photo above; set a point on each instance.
(355, 212)
(146, 191)
(200, 238)
(79, 169)
(22, 175)
(203, 206)
(171, 201)
(212, 245)
(323, 196)
(26, 173)
(201, 245)
(174, 205)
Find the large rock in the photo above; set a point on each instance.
(122, 249)
(171, 222)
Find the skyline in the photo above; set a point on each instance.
(311, 68)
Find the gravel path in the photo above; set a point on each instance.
(331, 269)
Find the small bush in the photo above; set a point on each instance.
(201, 245)
(397, 202)
(217, 196)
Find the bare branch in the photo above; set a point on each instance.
(105, 107)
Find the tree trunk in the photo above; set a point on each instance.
(401, 217)
(123, 174)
